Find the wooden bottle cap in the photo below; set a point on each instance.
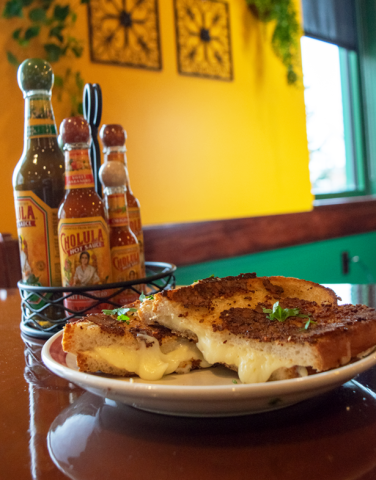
(113, 135)
(75, 130)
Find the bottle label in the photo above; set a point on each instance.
(84, 251)
(38, 240)
(116, 157)
(85, 259)
(40, 118)
(136, 227)
(78, 172)
(125, 261)
(117, 210)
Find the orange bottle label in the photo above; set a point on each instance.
(85, 259)
(117, 210)
(125, 261)
(115, 157)
(78, 172)
(38, 240)
(84, 251)
(136, 227)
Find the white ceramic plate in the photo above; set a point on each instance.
(201, 393)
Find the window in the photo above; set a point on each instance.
(334, 119)
(339, 72)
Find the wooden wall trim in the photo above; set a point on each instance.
(189, 243)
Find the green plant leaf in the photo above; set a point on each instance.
(80, 109)
(57, 32)
(37, 15)
(59, 81)
(84, 1)
(79, 81)
(12, 59)
(13, 8)
(16, 34)
(26, 3)
(32, 32)
(77, 50)
(61, 13)
(53, 51)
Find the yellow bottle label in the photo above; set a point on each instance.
(126, 266)
(84, 251)
(78, 172)
(85, 259)
(136, 227)
(40, 119)
(117, 210)
(38, 240)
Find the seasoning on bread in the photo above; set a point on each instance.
(266, 328)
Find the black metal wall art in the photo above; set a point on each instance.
(203, 38)
(125, 32)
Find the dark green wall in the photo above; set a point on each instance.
(319, 262)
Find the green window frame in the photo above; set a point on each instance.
(358, 83)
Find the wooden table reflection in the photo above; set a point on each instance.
(51, 429)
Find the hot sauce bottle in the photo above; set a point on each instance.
(113, 138)
(125, 250)
(83, 232)
(38, 179)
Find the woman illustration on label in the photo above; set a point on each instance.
(85, 274)
(25, 266)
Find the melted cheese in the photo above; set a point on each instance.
(148, 362)
(253, 366)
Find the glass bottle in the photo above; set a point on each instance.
(83, 231)
(113, 138)
(125, 251)
(38, 179)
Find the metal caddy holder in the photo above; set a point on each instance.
(44, 312)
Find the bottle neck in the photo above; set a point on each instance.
(78, 171)
(39, 117)
(118, 154)
(116, 206)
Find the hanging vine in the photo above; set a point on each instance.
(45, 26)
(285, 38)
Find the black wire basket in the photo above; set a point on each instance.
(44, 310)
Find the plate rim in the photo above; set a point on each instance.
(255, 390)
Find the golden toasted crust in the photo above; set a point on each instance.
(233, 310)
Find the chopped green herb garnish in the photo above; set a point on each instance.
(120, 313)
(143, 297)
(281, 314)
(306, 326)
(234, 381)
(211, 276)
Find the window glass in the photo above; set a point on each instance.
(331, 157)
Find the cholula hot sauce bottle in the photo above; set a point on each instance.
(113, 138)
(83, 232)
(125, 251)
(38, 179)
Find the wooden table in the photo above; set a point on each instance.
(43, 416)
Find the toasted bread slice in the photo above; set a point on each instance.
(227, 320)
(102, 343)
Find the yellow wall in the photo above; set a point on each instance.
(198, 149)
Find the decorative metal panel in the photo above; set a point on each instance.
(203, 38)
(125, 32)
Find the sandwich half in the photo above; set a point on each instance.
(265, 328)
(122, 344)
